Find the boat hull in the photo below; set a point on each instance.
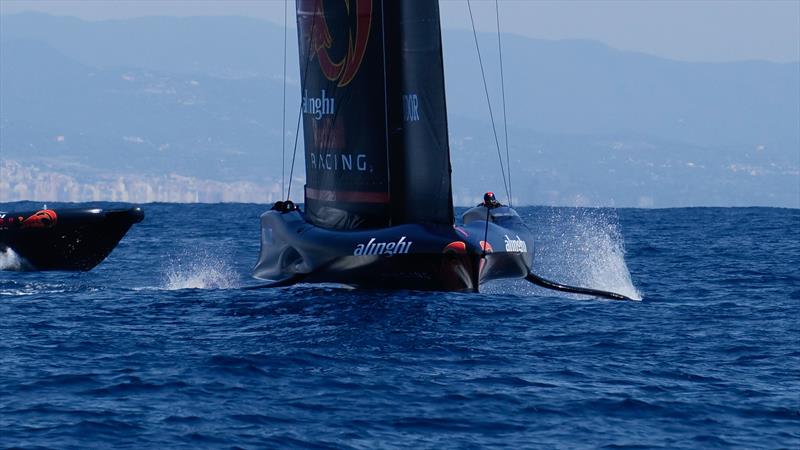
(409, 256)
(65, 239)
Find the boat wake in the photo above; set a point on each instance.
(199, 270)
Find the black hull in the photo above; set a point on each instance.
(411, 256)
(65, 239)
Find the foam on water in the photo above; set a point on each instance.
(20, 288)
(199, 270)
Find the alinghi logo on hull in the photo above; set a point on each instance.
(515, 245)
(383, 248)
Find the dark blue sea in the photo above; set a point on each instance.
(158, 347)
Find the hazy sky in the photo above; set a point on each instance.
(695, 30)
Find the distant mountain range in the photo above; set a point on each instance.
(201, 97)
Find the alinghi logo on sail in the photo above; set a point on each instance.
(383, 248)
(318, 106)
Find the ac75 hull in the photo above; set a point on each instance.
(65, 239)
(409, 256)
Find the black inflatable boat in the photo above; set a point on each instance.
(65, 239)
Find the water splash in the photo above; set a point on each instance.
(584, 247)
(9, 260)
(199, 269)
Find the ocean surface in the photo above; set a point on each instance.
(158, 347)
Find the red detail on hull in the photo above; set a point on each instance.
(456, 247)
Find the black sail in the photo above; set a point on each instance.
(418, 141)
(374, 114)
(344, 113)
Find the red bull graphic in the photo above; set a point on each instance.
(345, 69)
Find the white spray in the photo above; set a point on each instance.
(9, 260)
(199, 269)
(584, 247)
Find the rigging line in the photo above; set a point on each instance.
(386, 102)
(485, 233)
(309, 57)
(283, 128)
(294, 154)
(488, 101)
(503, 90)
